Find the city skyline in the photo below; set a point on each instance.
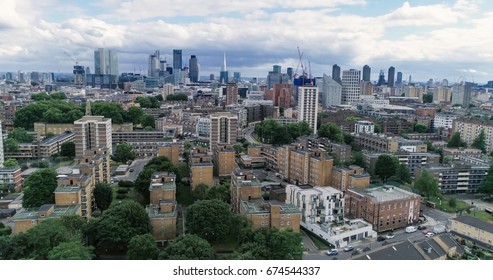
(418, 38)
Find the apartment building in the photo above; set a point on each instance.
(340, 152)
(42, 128)
(224, 158)
(473, 228)
(201, 167)
(11, 177)
(31, 217)
(353, 176)
(470, 129)
(308, 106)
(162, 209)
(92, 132)
(458, 177)
(462, 152)
(444, 120)
(99, 160)
(392, 144)
(413, 161)
(223, 128)
(53, 145)
(172, 151)
(364, 127)
(322, 212)
(386, 207)
(76, 189)
(244, 186)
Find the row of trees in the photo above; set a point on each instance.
(148, 101)
(270, 131)
(177, 97)
(478, 143)
(45, 96)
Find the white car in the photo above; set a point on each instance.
(430, 234)
(390, 236)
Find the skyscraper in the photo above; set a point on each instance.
(461, 94)
(336, 73)
(276, 69)
(381, 78)
(223, 129)
(290, 72)
(351, 90)
(398, 83)
(308, 106)
(153, 65)
(92, 132)
(330, 92)
(194, 69)
(231, 94)
(177, 60)
(366, 73)
(105, 62)
(224, 75)
(391, 77)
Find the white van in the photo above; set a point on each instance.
(411, 229)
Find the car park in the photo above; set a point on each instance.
(332, 252)
(348, 248)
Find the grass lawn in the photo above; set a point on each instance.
(319, 242)
(64, 163)
(444, 206)
(483, 216)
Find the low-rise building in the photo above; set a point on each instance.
(31, 217)
(162, 209)
(413, 161)
(386, 207)
(201, 167)
(11, 177)
(353, 176)
(473, 228)
(172, 151)
(53, 145)
(457, 177)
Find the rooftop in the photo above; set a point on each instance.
(153, 211)
(471, 221)
(260, 206)
(68, 189)
(386, 193)
(31, 213)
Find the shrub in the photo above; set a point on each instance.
(122, 191)
(121, 196)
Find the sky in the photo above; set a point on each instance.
(447, 39)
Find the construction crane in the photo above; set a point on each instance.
(71, 57)
(300, 63)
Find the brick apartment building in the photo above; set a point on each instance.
(201, 167)
(162, 209)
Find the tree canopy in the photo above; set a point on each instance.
(10, 163)
(331, 131)
(103, 196)
(209, 219)
(50, 111)
(177, 97)
(386, 167)
(68, 149)
(188, 247)
(148, 102)
(109, 110)
(402, 174)
(45, 96)
(270, 244)
(123, 153)
(156, 164)
(20, 135)
(39, 188)
(270, 131)
(486, 186)
(456, 142)
(427, 98)
(119, 224)
(427, 185)
(480, 142)
(71, 250)
(420, 128)
(142, 247)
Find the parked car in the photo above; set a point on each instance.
(390, 236)
(410, 229)
(131, 170)
(332, 252)
(430, 234)
(426, 231)
(381, 238)
(348, 248)
(359, 250)
(421, 227)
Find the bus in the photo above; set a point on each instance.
(430, 204)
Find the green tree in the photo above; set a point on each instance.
(20, 135)
(34, 112)
(219, 192)
(39, 188)
(40, 96)
(427, 185)
(75, 226)
(157, 164)
(486, 186)
(452, 202)
(111, 110)
(68, 149)
(177, 97)
(119, 224)
(103, 196)
(123, 153)
(200, 191)
(402, 174)
(71, 250)
(427, 98)
(134, 115)
(142, 247)
(10, 163)
(378, 128)
(386, 167)
(270, 244)
(456, 142)
(480, 142)
(358, 158)
(11, 146)
(331, 131)
(420, 128)
(159, 97)
(188, 247)
(148, 120)
(209, 219)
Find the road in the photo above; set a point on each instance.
(248, 135)
(137, 166)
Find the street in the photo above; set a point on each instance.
(137, 166)
(248, 135)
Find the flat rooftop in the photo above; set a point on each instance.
(153, 211)
(31, 213)
(260, 206)
(68, 189)
(385, 193)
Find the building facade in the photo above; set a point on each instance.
(308, 106)
(92, 132)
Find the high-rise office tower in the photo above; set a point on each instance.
(398, 83)
(223, 129)
(92, 132)
(276, 77)
(461, 94)
(366, 73)
(330, 92)
(276, 69)
(336, 73)
(351, 89)
(236, 77)
(231, 94)
(105, 62)
(290, 72)
(391, 77)
(177, 60)
(153, 68)
(194, 69)
(381, 78)
(308, 106)
(224, 75)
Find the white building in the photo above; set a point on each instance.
(351, 89)
(203, 127)
(364, 127)
(322, 212)
(330, 92)
(308, 106)
(444, 120)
